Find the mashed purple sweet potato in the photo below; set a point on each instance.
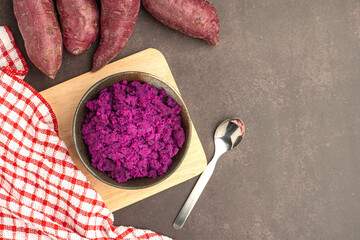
(133, 130)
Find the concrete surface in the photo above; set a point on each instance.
(291, 70)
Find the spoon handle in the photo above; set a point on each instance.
(195, 194)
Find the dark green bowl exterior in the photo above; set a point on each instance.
(93, 92)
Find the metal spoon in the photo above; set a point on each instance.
(227, 136)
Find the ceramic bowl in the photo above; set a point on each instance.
(81, 111)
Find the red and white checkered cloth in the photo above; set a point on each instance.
(42, 193)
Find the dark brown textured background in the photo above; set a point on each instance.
(291, 70)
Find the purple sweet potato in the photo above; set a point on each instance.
(196, 18)
(117, 21)
(79, 24)
(41, 33)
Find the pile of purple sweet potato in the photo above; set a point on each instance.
(81, 19)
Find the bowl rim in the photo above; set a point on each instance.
(92, 170)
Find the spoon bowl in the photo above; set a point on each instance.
(229, 134)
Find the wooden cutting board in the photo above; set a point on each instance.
(63, 99)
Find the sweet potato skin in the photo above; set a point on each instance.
(196, 18)
(79, 24)
(117, 21)
(41, 33)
